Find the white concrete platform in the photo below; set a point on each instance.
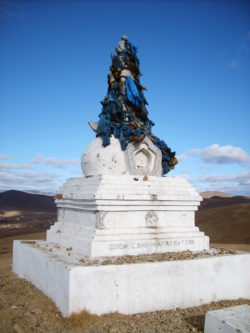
(235, 319)
(129, 288)
(110, 215)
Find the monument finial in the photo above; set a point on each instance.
(124, 114)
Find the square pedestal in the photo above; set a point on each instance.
(108, 215)
(129, 288)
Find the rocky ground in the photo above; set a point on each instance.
(63, 253)
(23, 308)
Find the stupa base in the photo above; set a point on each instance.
(129, 288)
(110, 215)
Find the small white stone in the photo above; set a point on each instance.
(235, 319)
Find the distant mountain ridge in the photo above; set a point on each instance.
(18, 200)
(223, 219)
(210, 194)
(217, 201)
(39, 192)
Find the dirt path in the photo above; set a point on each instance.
(23, 308)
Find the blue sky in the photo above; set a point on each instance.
(54, 59)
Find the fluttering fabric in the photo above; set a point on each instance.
(132, 92)
(124, 112)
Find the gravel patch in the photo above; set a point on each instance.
(70, 256)
(24, 308)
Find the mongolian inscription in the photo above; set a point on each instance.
(117, 246)
(147, 244)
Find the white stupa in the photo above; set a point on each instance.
(124, 206)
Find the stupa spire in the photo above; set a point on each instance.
(124, 113)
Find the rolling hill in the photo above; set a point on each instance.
(24, 213)
(224, 219)
(18, 200)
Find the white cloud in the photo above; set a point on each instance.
(57, 163)
(6, 157)
(205, 168)
(26, 176)
(242, 178)
(182, 157)
(222, 154)
(26, 180)
(237, 184)
(208, 167)
(54, 161)
(10, 166)
(37, 159)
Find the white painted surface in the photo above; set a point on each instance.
(130, 288)
(109, 215)
(235, 319)
(49, 275)
(109, 160)
(142, 158)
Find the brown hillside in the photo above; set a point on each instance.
(223, 219)
(218, 201)
(228, 223)
(23, 213)
(210, 194)
(18, 200)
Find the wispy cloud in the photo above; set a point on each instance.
(222, 154)
(31, 175)
(10, 166)
(26, 180)
(182, 157)
(6, 157)
(54, 161)
(238, 184)
(242, 178)
(37, 159)
(210, 168)
(61, 164)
